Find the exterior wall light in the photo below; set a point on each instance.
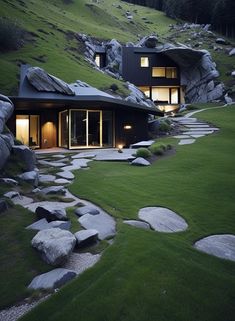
(127, 127)
(120, 147)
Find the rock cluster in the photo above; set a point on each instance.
(6, 138)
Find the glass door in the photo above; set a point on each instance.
(63, 129)
(27, 130)
(94, 128)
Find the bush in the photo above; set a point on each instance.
(164, 126)
(158, 148)
(114, 87)
(143, 152)
(11, 35)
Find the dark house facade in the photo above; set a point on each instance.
(88, 119)
(155, 74)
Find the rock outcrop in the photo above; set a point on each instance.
(42, 81)
(6, 138)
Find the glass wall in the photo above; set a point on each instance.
(27, 130)
(90, 128)
(63, 129)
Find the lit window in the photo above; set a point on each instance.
(97, 60)
(174, 96)
(145, 90)
(158, 72)
(144, 61)
(171, 72)
(160, 94)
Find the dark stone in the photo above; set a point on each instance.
(3, 206)
(51, 214)
(151, 42)
(26, 155)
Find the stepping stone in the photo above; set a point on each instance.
(86, 210)
(186, 141)
(197, 126)
(197, 136)
(53, 190)
(66, 175)
(204, 129)
(114, 155)
(138, 224)
(162, 219)
(181, 136)
(11, 194)
(60, 224)
(187, 120)
(195, 132)
(62, 181)
(84, 155)
(140, 161)
(86, 236)
(53, 164)
(77, 164)
(22, 200)
(46, 178)
(144, 143)
(103, 223)
(52, 280)
(58, 156)
(221, 245)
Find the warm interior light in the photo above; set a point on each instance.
(120, 146)
(127, 127)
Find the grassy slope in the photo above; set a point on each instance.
(51, 20)
(147, 275)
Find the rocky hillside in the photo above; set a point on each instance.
(50, 38)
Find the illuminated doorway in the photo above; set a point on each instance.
(27, 130)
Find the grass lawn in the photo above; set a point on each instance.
(151, 276)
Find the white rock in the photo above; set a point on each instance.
(140, 161)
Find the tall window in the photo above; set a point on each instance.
(98, 60)
(171, 72)
(158, 72)
(27, 130)
(144, 62)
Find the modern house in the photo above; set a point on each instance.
(154, 73)
(88, 118)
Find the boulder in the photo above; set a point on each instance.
(39, 225)
(6, 110)
(11, 194)
(3, 205)
(221, 41)
(86, 236)
(54, 244)
(232, 52)
(140, 161)
(228, 99)
(151, 42)
(30, 177)
(42, 81)
(80, 211)
(26, 155)
(52, 280)
(53, 190)
(51, 213)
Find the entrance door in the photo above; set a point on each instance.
(27, 130)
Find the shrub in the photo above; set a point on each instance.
(164, 126)
(158, 148)
(11, 35)
(143, 152)
(114, 87)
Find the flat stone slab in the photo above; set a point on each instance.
(66, 174)
(22, 200)
(62, 181)
(162, 219)
(181, 136)
(46, 178)
(114, 155)
(197, 126)
(103, 223)
(53, 190)
(52, 280)
(39, 225)
(195, 132)
(84, 155)
(144, 143)
(53, 164)
(137, 224)
(199, 129)
(58, 156)
(197, 136)
(186, 141)
(222, 246)
(80, 211)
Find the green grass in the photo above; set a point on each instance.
(19, 263)
(50, 47)
(148, 276)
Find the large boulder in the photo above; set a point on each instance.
(26, 155)
(52, 280)
(54, 244)
(80, 211)
(6, 138)
(51, 213)
(86, 236)
(30, 177)
(42, 81)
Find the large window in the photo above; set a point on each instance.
(164, 72)
(90, 128)
(165, 95)
(27, 130)
(159, 72)
(144, 62)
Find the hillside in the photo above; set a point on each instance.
(51, 41)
